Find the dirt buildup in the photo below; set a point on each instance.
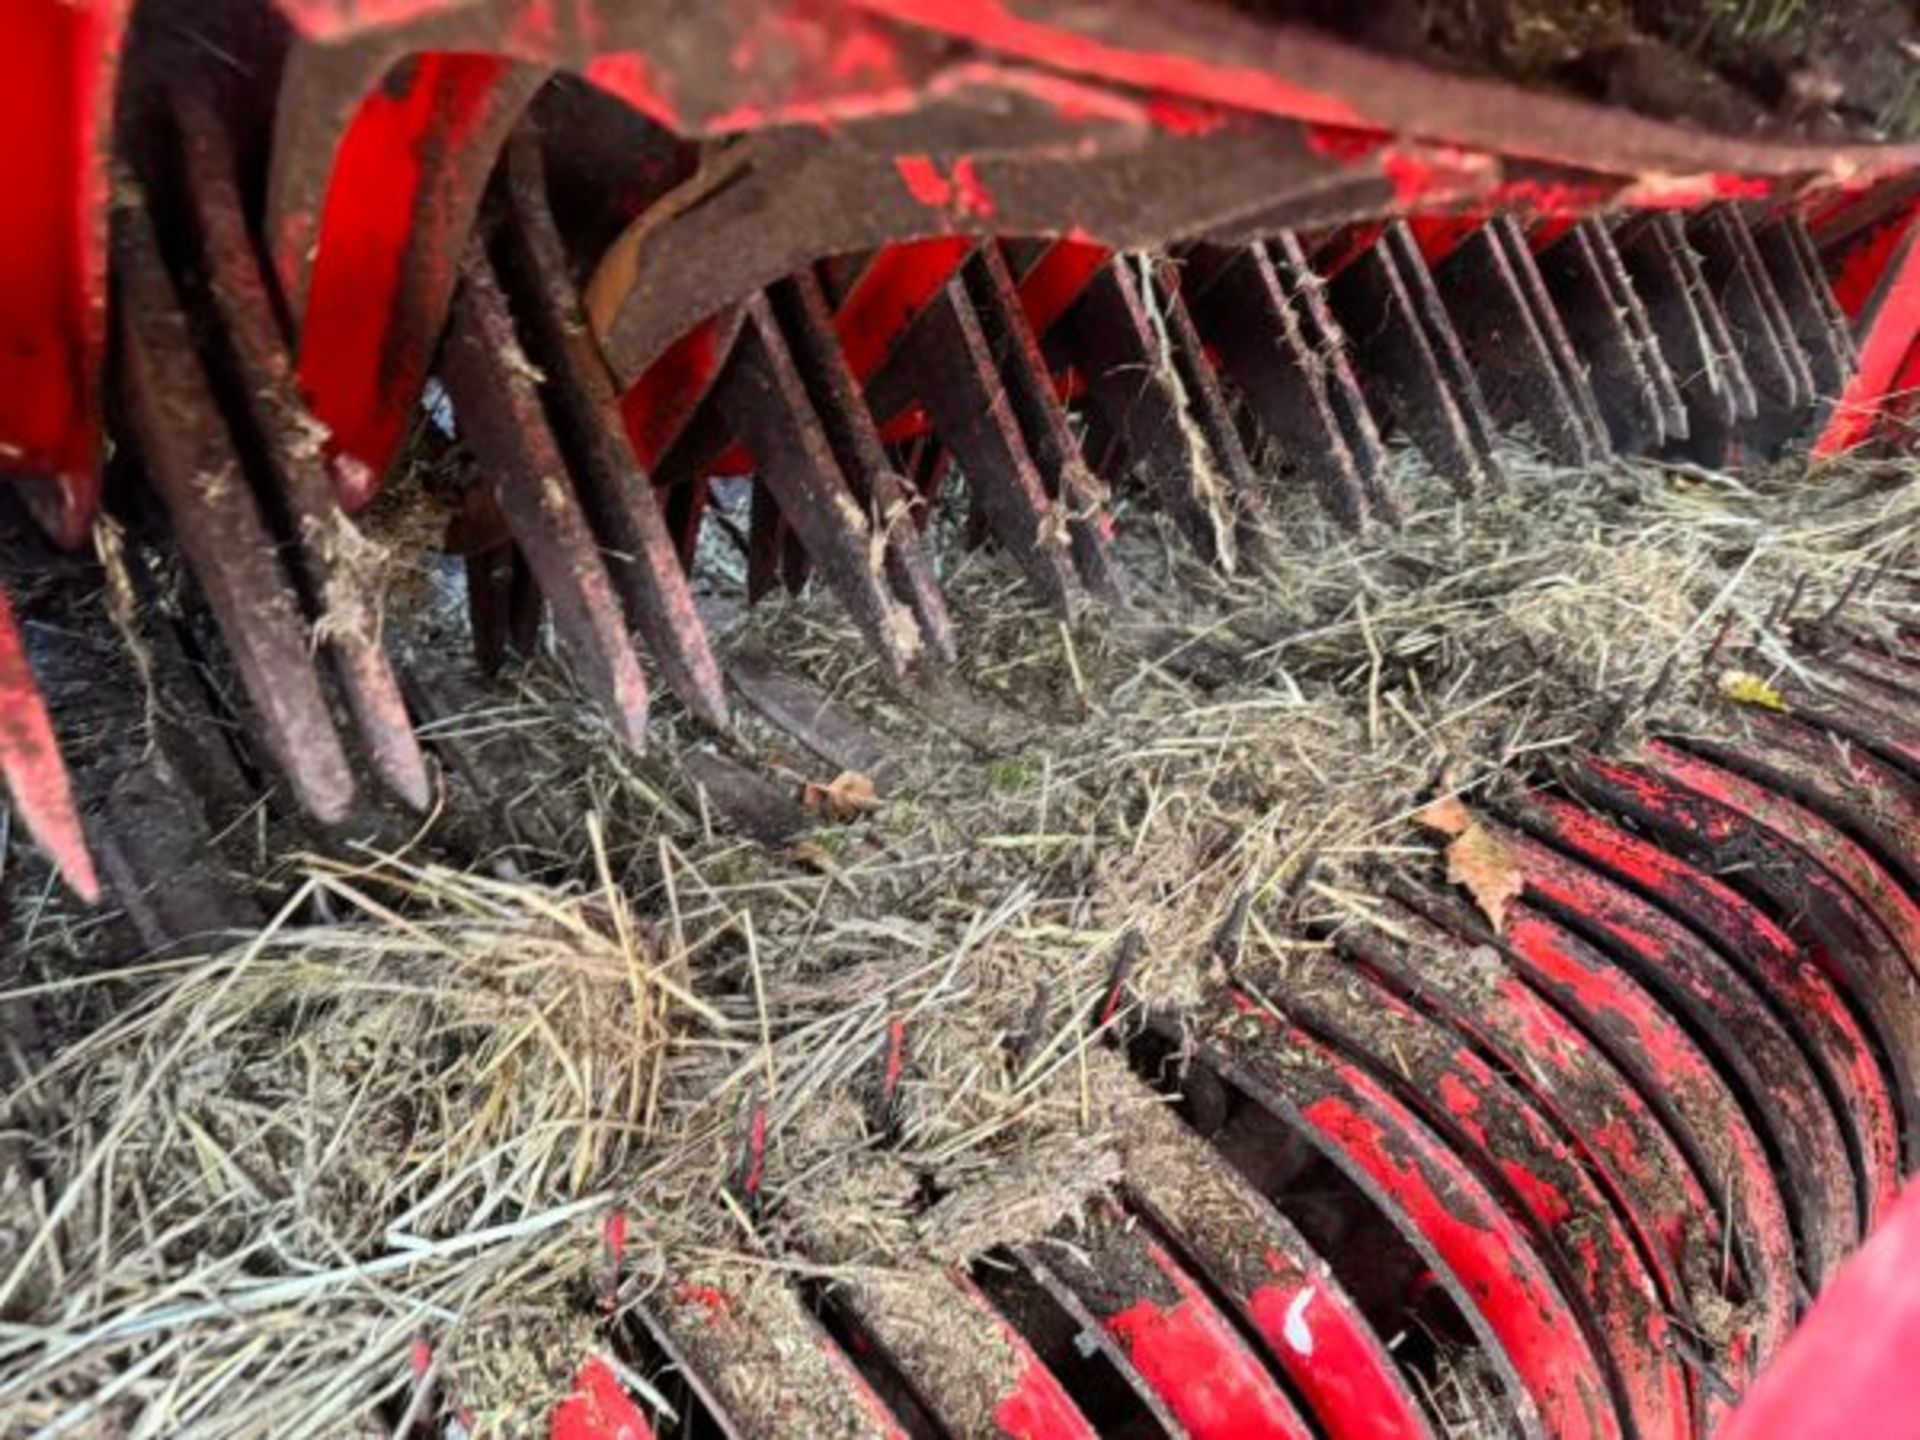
(1810, 69)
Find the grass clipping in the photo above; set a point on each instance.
(358, 1167)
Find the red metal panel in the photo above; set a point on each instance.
(399, 202)
(1892, 325)
(1049, 288)
(61, 58)
(1849, 1373)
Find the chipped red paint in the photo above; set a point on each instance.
(1842, 857)
(1803, 995)
(1445, 1207)
(1186, 1350)
(1591, 1101)
(30, 763)
(598, 1408)
(1684, 1088)
(1038, 1406)
(958, 189)
(923, 180)
(1733, 1027)
(1330, 1354)
(1813, 907)
(1493, 1125)
(1038, 1409)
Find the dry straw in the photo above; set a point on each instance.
(250, 1193)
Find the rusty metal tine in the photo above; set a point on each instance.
(1247, 317)
(1073, 488)
(1402, 371)
(526, 609)
(328, 546)
(189, 458)
(1772, 303)
(761, 393)
(1613, 269)
(948, 366)
(1509, 353)
(488, 574)
(763, 543)
(1662, 284)
(1828, 353)
(1329, 341)
(876, 485)
(1733, 366)
(1749, 323)
(614, 490)
(1207, 402)
(496, 405)
(1823, 296)
(1598, 326)
(1398, 240)
(1107, 338)
(1573, 373)
(30, 763)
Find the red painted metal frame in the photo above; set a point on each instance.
(1732, 1026)
(1475, 990)
(1038, 1407)
(1804, 996)
(1174, 1336)
(1381, 1143)
(1685, 1089)
(1891, 320)
(843, 62)
(1897, 911)
(1492, 1123)
(1820, 913)
(1311, 1326)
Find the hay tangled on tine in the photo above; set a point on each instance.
(390, 1127)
